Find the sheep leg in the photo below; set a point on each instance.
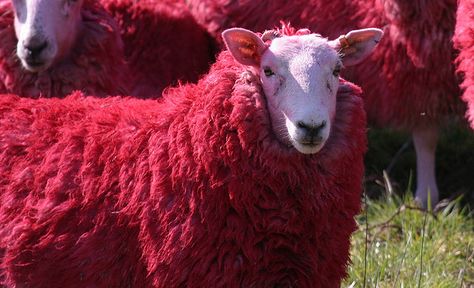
(425, 140)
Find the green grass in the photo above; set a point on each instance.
(399, 245)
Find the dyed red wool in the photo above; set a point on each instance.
(163, 43)
(192, 190)
(464, 41)
(329, 17)
(96, 65)
(408, 82)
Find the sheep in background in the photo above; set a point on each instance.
(249, 178)
(50, 48)
(163, 44)
(327, 16)
(409, 83)
(464, 41)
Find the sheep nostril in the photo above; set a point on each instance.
(301, 124)
(34, 49)
(311, 128)
(321, 126)
(311, 131)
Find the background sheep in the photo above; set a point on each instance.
(327, 16)
(215, 185)
(409, 83)
(464, 41)
(50, 48)
(163, 43)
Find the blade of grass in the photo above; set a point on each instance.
(423, 232)
(402, 261)
(366, 208)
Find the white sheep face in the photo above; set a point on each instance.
(300, 78)
(46, 31)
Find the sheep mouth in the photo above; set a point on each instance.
(308, 147)
(310, 144)
(35, 65)
(311, 140)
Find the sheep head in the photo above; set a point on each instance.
(300, 78)
(46, 31)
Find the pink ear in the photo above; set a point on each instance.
(244, 45)
(356, 45)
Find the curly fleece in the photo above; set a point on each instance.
(409, 81)
(192, 190)
(163, 43)
(464, 41)
(96, 65)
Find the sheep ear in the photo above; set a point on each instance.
(356, 45)
(244, 45)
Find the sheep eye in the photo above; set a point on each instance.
(268, 72)
(336, 71)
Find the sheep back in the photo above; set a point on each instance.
(163, 44)
(96, 65)
(327, 17)
(192, 190)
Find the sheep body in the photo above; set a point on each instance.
(163, 43)
(96, 64)
(192, 190)
(464, 41)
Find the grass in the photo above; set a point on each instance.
(409, 247)
(398, 244)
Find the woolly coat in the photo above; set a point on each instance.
(408, 82)
(96, 65)
(464, 41)
(328, 17)
(163, 43)
(193, 190)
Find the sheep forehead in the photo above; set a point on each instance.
(303, 49)
(33, 5)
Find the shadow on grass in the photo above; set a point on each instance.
(454, 162)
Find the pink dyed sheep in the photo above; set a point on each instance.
(250, 178)
(328, 16)
(85, 54)
(464, 41)
(409, 83)
(163, 43)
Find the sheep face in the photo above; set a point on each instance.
(46, 30)
(300, 78)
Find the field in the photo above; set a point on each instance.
(403, 246)
(400, 245)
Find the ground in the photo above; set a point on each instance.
(398, 244)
